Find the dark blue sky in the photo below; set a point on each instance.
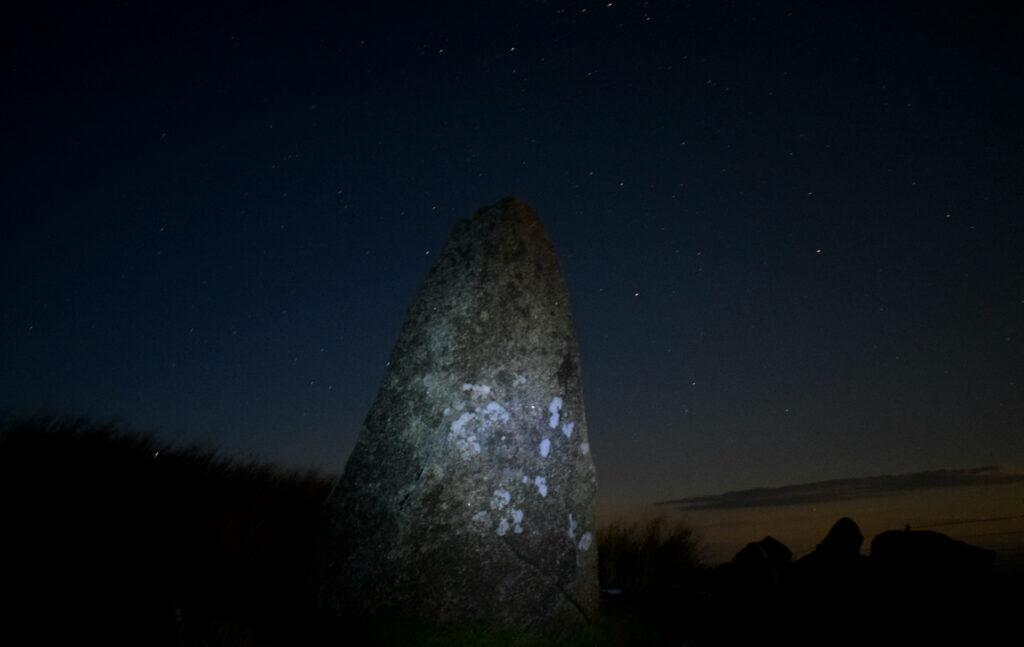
(792, 233)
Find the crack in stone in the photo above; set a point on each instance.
(553, 581)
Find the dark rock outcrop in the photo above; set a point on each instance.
(916, 588)
(768, 551)
(934, 588)
(836, 557)
(830, 585)
(470, 493)
(762, 565)
(752, 589)
(931, 564)
(842, 541)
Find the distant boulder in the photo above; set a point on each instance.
(752, 589)
(933, 586)
(767, 551)
(931, 561)
(843, 540)
(837, 554)
(762, 564)
(831, 581)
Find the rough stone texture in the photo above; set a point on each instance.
(469, 495)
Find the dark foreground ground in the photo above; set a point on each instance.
(697, 617)
(109, 538)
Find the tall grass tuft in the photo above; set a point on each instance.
(648, 555)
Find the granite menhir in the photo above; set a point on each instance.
(470, 494)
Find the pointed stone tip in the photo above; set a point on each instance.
(511, 206)
(511, 214)
(513, 202)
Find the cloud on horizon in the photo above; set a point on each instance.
(851, 488)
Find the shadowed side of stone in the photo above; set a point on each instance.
(470, 493)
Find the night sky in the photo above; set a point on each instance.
(793, 233)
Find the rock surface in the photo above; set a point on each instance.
(469, 495)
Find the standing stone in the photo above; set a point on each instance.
(469, 495)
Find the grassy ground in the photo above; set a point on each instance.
(111, 537)
(142, 543)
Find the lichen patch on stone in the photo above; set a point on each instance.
(545, 447)
(585, 541)
(542, 485)
(500, 499)
(513, 521)
(469, 427)
(517, 520)
(477, 389)
(462, 434)
(567, 429)
(495, 412)
(553, 408)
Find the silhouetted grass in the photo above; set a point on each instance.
(646, 555)
(110, 534)
(650, 571)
